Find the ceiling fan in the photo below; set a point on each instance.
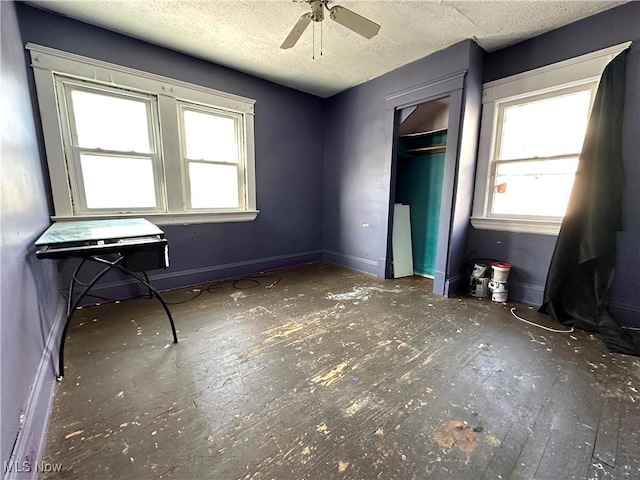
(341, 15)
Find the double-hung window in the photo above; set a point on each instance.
(211, 141)
(123, 143)
(532, 131)
(112, 143)
(537, 145)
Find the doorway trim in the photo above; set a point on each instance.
(451, 86)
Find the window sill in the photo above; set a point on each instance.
(172, 218)
(519, 225)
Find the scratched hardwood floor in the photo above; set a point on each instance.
(334, 374)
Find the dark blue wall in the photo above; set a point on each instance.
(289, 146)
(358, 152)
(531, 254)
(30, 297)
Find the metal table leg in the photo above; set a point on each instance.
(72, 305)
(146, 284)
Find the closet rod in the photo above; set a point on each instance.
(432, 148)
(424, 134)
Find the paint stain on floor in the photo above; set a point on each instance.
(493, 441)
(361, 293)
(333, 375)
(456, 434)
(356, 406)
(322, 428)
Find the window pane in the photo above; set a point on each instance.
(117, 182)
(213, 186)
(210, 137)
(533, 188)
(544, 128)
(110, 123)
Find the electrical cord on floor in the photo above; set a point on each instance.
(554, 330)
(195, 295)
(253, 282)
(275, 282)
(256, 281)
(215, 288)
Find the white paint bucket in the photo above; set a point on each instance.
(478, 270)
(478, 286)
(499, 291)
(500, 271)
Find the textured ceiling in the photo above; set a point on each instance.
(246, 34)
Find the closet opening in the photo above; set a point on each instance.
(417, 179)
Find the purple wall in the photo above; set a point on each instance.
(289, 146)
(531, 254)
(358, 161)
(30, 298)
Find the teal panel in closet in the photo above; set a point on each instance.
(419, 185)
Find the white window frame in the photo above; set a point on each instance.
(64, 85)
(52, 66)
(545, 81)
(495, 161)
(185, 106)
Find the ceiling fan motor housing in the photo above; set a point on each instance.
(317, 10)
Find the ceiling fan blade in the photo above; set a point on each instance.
(353, 21)
(297, 31)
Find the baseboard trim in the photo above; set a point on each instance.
(360, 264)
(32, 434)
(265, 263)
(526, 293)
(626, 314)
(453, 285)
(626, 306)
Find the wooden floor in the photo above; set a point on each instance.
(334, 374)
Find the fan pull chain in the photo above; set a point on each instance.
(320, 38)
(313, 47)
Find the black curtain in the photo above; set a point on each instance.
(582, 266)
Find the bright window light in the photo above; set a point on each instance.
(534, 188)
(533, 127)
(110, 123)
(113, 149)
(210, 137)
(212, 157)
(545, 128)
(213, 185)
(118, 182)
(537, 150)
